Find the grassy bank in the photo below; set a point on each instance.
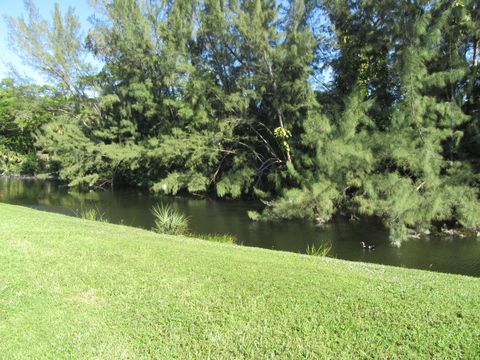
(72, 288)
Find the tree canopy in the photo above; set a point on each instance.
(315, 107)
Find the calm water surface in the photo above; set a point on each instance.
(439, 253)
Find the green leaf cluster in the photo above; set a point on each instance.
(226, 98)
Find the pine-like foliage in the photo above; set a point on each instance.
(399, 167)
(223, 98)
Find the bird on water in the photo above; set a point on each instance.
(367, 246)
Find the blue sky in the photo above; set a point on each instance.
(16, 8)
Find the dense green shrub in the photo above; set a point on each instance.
(31, 165)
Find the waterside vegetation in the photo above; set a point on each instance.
(169, 221)
(314, 107)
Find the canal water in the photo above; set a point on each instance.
(439, 252)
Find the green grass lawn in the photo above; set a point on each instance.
(72, 288)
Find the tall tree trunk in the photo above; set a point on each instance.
(279, 111)
(476, 49)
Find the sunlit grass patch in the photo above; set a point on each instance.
(88, 290)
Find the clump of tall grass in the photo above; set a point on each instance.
(93, 214)
(169, 221)
(221, 238)
(324, 248)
